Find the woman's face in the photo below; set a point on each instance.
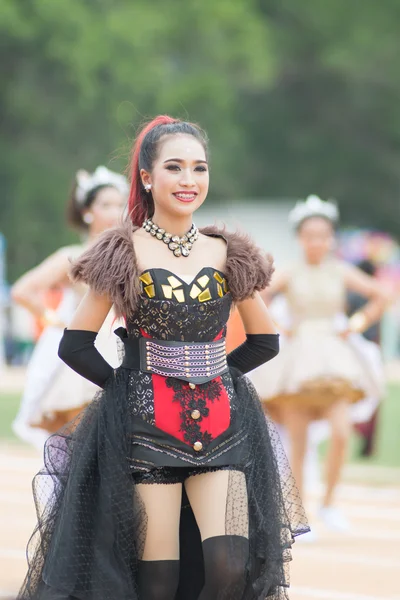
(106, 209)
(316, 236)
(179, 179)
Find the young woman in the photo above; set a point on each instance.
(172, 485)
(53, 394)
(318, 373)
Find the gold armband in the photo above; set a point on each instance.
(50, 318)
(358, 322)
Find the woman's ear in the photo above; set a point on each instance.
(145, 177)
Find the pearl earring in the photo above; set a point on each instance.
(88, 218)
(147, 187)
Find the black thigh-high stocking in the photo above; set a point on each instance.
(225, 559)
(158, 579)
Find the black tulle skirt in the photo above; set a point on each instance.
(92, 524)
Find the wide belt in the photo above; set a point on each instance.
(195, 362)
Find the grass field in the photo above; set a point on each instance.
(387, 451)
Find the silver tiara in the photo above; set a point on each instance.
(313, 206)
(86, 182)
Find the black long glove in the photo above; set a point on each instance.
(255, 351)
(78, 351)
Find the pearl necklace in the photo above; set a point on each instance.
(180, 246)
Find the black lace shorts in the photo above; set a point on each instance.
(176, 474)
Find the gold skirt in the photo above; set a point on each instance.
(314, 369)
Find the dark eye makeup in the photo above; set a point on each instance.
(200, 168)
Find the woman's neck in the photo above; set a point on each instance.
(91, 236)
(174, 225)
(315, 262)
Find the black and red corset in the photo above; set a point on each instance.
(178, 318)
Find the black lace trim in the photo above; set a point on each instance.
(194, 399)
(169, 320)
(140, 396)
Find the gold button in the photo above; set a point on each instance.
(192, 386)
(198, 446)
(195, 414)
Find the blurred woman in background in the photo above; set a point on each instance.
(368, 428)
(54, 394)
(318, 373)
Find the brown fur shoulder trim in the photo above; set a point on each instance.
(109, 267)
(248, 268)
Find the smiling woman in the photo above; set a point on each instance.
(172, 485)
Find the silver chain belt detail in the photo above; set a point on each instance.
(195, 362)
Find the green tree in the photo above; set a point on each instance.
(298, 97)
(81, 76)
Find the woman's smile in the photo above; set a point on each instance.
(185, 196)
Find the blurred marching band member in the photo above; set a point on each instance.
(367, 428)
(54, 394)
(319, 374)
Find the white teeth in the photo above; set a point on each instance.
(185, 196)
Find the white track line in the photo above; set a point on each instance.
(22, 522)
(5, 594)
(362, 492)
(19, 499)
(370, 512)
(375, 535)
(13, 553)
(347, 558)
(27, 466)
(334, 595)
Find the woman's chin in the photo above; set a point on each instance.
(180, 209)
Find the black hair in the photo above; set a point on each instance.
(367, 266)
(76, 209)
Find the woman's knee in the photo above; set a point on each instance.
(225, 560)
(158, 579)
(340, 437)
(340, 432)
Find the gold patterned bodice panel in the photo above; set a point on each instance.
(161, 284)
(316, 292)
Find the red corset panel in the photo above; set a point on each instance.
(193, 413)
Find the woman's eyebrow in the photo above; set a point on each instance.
(180, 160)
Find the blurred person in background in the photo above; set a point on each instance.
(54, 394)
(356, 302)
(318, 374)
(173, 485)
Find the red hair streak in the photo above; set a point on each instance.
(136, 205)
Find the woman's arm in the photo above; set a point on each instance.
(77, 347)
(29, 290)
(91, 312)
(262, 341)
(367, 286)
(278, 285)
(255, 316)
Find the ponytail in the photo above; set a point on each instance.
(138, 201)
